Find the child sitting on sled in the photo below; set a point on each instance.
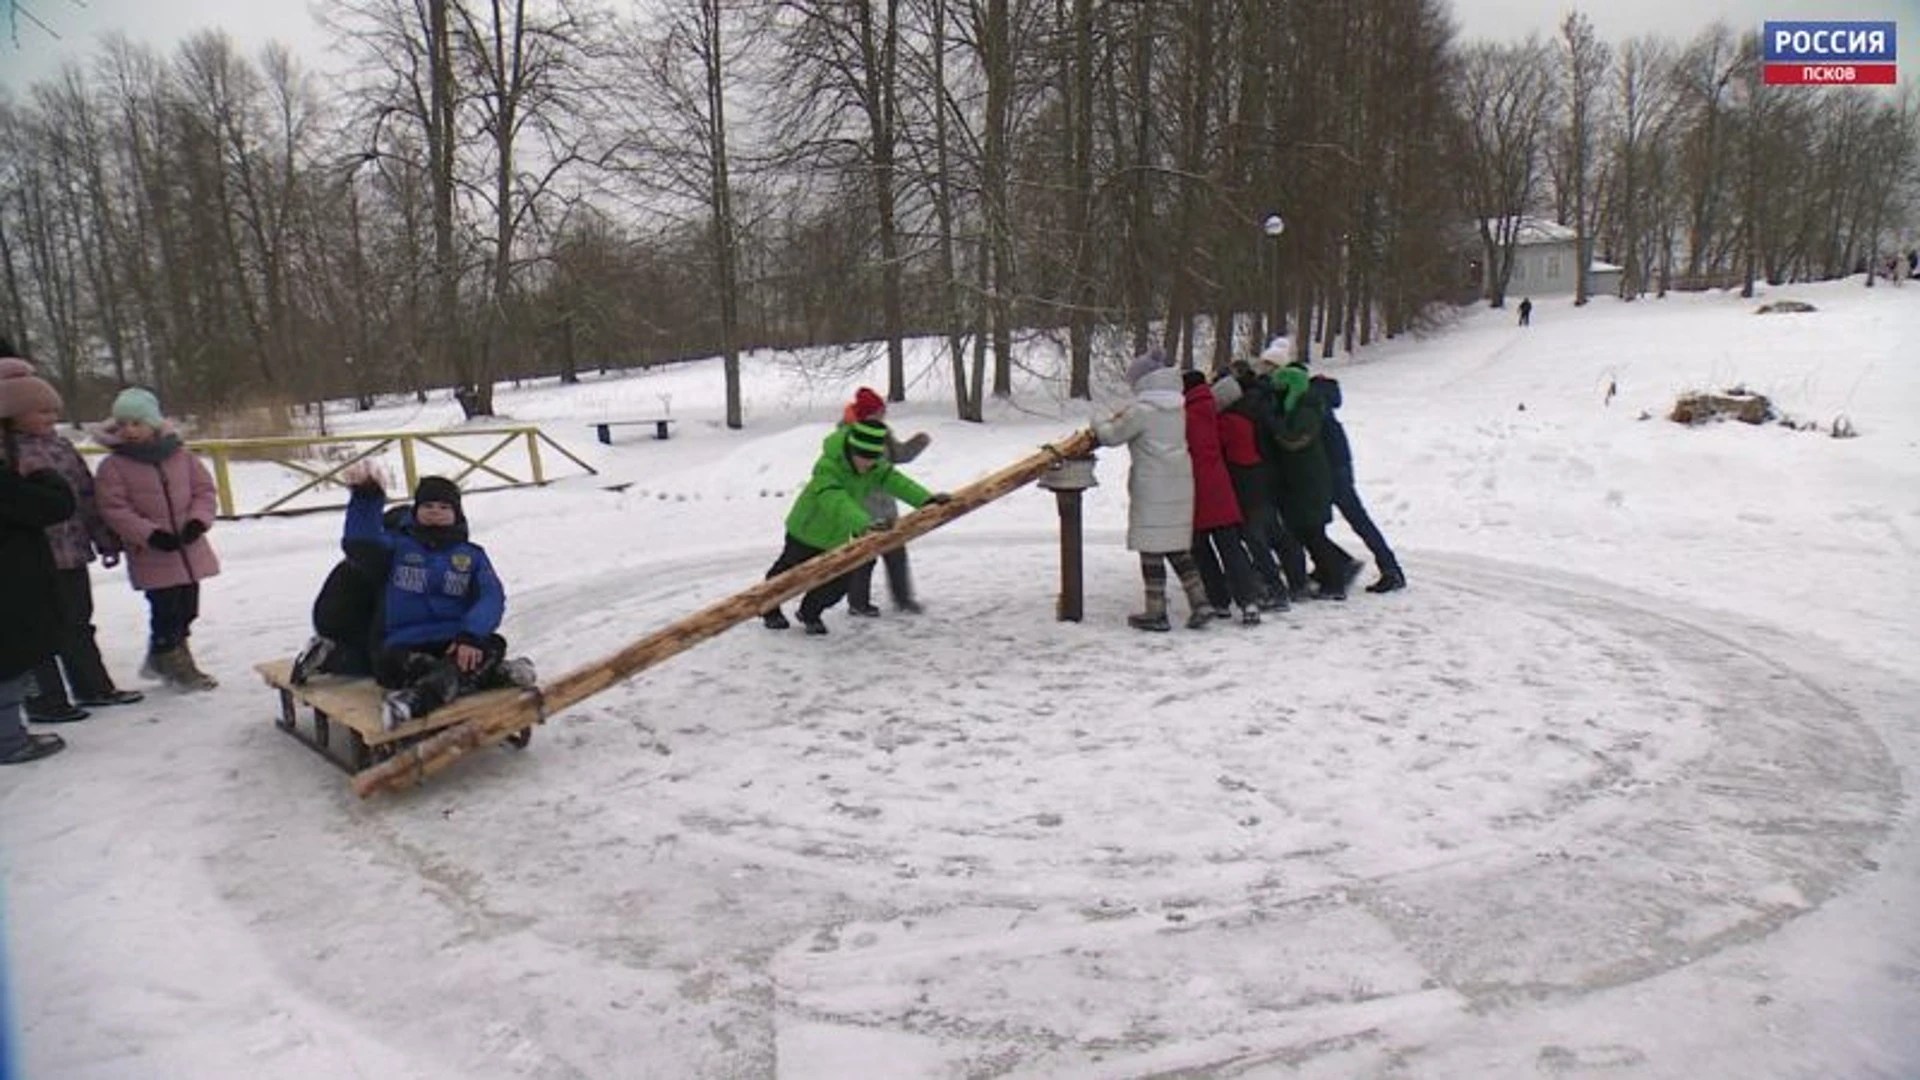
(441, 601)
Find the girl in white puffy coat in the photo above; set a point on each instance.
(1153, 427)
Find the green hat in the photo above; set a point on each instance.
(1291, 383)
(138, 406)
(867, 438)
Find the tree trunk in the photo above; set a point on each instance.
(441, 138)
(725, 242)
(1081, 294)
(967, 405)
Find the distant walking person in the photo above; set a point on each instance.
(1526, 311)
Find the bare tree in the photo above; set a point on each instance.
(1504, 98)
(677, 143)
(1644, 108)
(842, 62)
(525, 83)
(1586, 58)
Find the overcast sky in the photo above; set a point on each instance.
(162, 23)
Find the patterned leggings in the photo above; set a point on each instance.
(1154, 572)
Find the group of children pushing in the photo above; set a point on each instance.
(1232, 482)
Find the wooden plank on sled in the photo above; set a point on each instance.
(355, 702)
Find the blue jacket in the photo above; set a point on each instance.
(432, 594)
(1339, 452)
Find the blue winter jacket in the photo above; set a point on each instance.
(433, 594)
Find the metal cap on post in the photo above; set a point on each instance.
(1067, 478)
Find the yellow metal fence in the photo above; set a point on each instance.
(500, 460)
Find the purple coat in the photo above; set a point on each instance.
(159, 486)
(74, 539)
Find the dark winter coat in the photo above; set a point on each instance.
(439, 585)
(1214, 505)
(28, 506)
(1240, 442)
(74, 539)
(347, 608)
(1326, 392)
(1305, 492)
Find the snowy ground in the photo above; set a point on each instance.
(1617, 788)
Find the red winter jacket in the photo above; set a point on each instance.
(1239, 440)
(1214, 504)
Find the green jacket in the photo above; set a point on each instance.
(831, 510)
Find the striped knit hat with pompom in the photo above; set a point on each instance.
(868, 438)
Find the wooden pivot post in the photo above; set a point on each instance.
(1067, 478)
(485, 724)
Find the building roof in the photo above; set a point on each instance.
(1533, 230)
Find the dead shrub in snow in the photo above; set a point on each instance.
(1785, 307)
(1701, 407)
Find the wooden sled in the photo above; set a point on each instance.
(352, 706)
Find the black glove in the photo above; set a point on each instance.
(939, 498)
(195, 530)
(162, 540)
(879, 525)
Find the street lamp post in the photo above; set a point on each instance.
(1273, 226)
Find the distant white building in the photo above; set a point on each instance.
(1543, 263)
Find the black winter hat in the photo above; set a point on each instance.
(437, 489)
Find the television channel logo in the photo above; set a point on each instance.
(1830, 54)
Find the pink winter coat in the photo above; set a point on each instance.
(158, 486)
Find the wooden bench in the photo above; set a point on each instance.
(662, 428)
(354, 706)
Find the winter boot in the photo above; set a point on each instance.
(775, 620)
(1274, 601)
(308, 660)
(33, 748)
(175, 666)
(1197, 603)
(813, 624)
(1155, 617)
(518, 672)
(196, 679)
(1249, 616)
(106, 698)
(1390, 581)
(865, 611)
(69, 714)
(397, 709)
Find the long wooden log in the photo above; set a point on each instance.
(493, 723)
